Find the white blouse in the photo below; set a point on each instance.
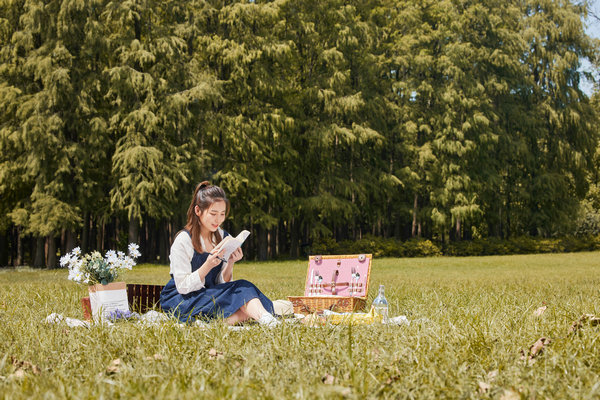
(182, 252)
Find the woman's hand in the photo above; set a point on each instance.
(236, 256)
(213, 258)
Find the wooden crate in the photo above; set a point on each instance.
(337, 283)
(140, 297)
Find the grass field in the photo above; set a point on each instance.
(471, 319)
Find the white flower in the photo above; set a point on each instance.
(133, 246)
(134, 250)
(65, 260)
(76, 251)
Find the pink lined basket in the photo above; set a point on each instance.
(336, 282)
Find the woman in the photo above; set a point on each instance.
(201, 284)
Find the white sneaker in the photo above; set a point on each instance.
(268, 320)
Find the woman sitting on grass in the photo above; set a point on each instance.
(201, 284)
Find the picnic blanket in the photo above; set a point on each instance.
(282, 308)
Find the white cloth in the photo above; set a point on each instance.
(55, 318)
(399, 320)
(182, 252)
(153, 317)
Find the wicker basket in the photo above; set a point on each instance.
(312, 304)
(342, 284)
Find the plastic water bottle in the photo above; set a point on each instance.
(380, 304)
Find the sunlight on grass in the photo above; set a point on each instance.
(471, 317)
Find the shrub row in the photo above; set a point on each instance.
(382, 247)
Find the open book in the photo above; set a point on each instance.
(230, 243)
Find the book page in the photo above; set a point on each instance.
(230, 243)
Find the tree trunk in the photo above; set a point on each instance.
(414, 220)
(149, 237)
(51, 252)
(39, 258)
(134, 229)
(294, 238)
(18, 261)
(305, 246)
(31, 254)
(163, 242)
(507, 217)
(282, 247)
(397, 229)
(93, 243)
(500, 230)
(85, 234)
(3, 250)
(263, 243)
(70, 241)
(273, 242)
(99, 235)
(458, 230)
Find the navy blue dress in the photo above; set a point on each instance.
(215, 300)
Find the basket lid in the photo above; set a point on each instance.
(338, 275)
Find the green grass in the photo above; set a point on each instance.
(471, 317)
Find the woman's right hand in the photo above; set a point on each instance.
(213, 258)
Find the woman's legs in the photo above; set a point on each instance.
(252, 309)
(236, 317)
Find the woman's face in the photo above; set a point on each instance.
(213, 217)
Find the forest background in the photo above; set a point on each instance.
(324, 120)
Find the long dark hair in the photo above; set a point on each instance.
(204, 196)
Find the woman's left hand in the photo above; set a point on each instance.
(236, 255)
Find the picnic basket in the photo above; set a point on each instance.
(336, 282)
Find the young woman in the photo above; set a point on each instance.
(201, 284)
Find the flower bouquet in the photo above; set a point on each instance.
(92, 268)
(100, 273)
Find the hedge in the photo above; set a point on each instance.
(389, 247)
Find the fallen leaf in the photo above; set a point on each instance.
(114, 366)
(25, 366)
(510, 395)
(540, 311)
(492, 374)
(328, 379)
(314, 320)
(535, 349)
(376, 353)
(483, 387)
(215, 355)
(589, 318)
(344, 391)
(538, 346)
(18, 374)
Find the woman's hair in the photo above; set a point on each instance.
(204, 196)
